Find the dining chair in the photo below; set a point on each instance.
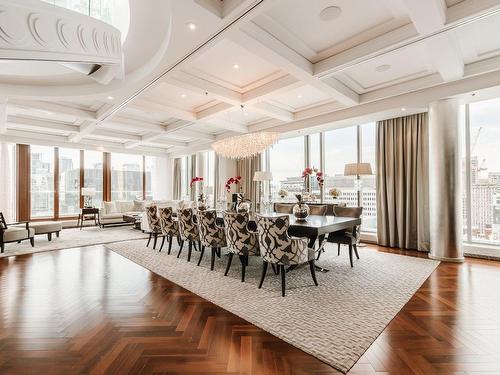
(188, 230)
(240, 240)
(283, 208)
(349, 237)
(154, 224)
(169, 226)
(211, 235)
(277, 247)
(318, 210)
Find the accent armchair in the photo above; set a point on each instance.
(15, 233)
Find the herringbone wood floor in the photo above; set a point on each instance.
(90, 311)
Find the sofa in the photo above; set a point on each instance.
(111, 213)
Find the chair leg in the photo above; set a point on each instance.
(229, 260)
(244, 263)
(149, 240)
(283, 273)
(350, 254)
(170, 244)
(179, 240)
(32, 241)
(57, 234)
(338, 251)
(212, 261)
(313, 272)
(201, 255)
(217, 251)
(264, 271)
(2, 247)
(49, 237)
(194, 245)
(190, 250)
(162, 242)
(180, 249)
(274, 268)
(319, 254)
(199, 245)
(155, 235)
(356, 250)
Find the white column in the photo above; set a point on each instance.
(445, 181)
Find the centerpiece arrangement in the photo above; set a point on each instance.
(202, 198)
(242, 205)
(334, 193)
(301, 210)
(282, 193)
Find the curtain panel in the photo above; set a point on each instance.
(177, 179)
(403, 182)
(246, 168)
(192, 174)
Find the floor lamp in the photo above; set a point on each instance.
(262, 176)
(358, 170)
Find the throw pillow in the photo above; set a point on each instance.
(139, 206)
(109, 208)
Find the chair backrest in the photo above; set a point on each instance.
(240, 240)
(283, 208)
(169, 226)
(187, 227)
(3, 223)
(319, 210)
(348, 211)
(211, 234)
(153, 219)
(274, 242)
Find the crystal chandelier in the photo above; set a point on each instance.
(245, 146)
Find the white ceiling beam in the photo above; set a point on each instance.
(228, 125)
(272, 111)
(81, 114)
(214, 111)
(149, 106)
(194, 134)
(466, 10)
(3, 115)
(258, 41)
(86, 128)
(112, 135)
(287, 82)
(16, 122)
(443, 51)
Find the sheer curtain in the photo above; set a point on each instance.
(403, 182)
(8, 181)
(177, 185)
(246, 168)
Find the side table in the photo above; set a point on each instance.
(84, 216)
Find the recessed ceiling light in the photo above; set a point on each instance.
(403, 109)
(383, 68)
(236, 66)
(191, 26)
(183, 95)
(330, 13)
(110, 98)
(299, 96)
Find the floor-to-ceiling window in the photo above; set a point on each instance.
(93, 174)
(369, 182)
(8, 181)
(69, 182)
(483, 184)
(42, 181)
(287, 161)
(340, 149)
(126, 177)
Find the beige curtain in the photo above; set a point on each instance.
(246, 169)
(177, 179)
(403, 182)
(192, 174)
(216, 179)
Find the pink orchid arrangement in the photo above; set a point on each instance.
(314, 171)
(194, 180)
(233, 180)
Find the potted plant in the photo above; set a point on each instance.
(334, 193)
(301, 210)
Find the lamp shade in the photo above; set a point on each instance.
(88, 192)
(262, 176)
(357, 169)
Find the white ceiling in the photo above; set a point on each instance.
(294, 71)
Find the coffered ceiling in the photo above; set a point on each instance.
(285, 65)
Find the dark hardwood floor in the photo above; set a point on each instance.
(90, 311)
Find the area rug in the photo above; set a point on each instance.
(74, 237)
(335, 322)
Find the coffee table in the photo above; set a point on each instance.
(134, 219)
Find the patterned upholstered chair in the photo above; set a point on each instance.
(154, 224)
(211, 234)
(276, 247)
(284, 208)
(319, 210)
(349, 237)
(16, 233)
(169, 226)
(240, 240)
(188, 230)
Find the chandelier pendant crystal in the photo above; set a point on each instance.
(246, 145)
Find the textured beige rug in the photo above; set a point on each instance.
(335, 322)
(74, 237)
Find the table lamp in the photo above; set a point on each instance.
(263, 176)
(88, 193)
